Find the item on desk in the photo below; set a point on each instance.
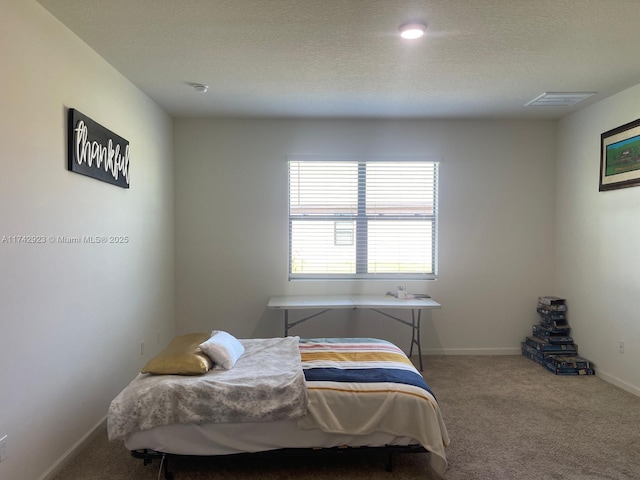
(402, 292)
(409, 296)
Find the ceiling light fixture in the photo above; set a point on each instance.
(412, 30)
(200, 87)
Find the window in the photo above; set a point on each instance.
(344, 233)
(351, 219)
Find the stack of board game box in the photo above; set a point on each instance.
(550, 344)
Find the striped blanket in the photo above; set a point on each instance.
(359, 386)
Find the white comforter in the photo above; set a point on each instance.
(267, 383)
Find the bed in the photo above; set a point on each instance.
(285, 394)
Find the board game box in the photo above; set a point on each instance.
(551, 334)
(544, 346)
(567, 370)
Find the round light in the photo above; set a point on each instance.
(200, 87)
(412, 30)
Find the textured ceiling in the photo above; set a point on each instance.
(344, 58)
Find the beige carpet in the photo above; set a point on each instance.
(507, 417)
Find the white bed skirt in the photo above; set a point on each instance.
(231, 438)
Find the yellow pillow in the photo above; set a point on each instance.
(182, 357)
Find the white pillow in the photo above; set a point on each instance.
(223, 348)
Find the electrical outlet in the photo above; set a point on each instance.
(621, 346)
(142, 349)
(4, 452)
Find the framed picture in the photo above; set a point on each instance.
(620, 157)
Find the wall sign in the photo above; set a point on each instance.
(97, 152)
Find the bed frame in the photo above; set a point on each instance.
(148, 456)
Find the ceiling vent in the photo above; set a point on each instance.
(558, 99)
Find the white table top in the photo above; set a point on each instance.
(299, 302)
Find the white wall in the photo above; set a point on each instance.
(496, 226)
(73, 316)
(597, 240)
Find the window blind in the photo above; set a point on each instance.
(353, 219)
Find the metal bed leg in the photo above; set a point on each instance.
(148, 456)
(165, 461)
(389, 466)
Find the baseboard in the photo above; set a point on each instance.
(472, 351)
(75, 449)
(618, 383)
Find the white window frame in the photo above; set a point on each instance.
(357, 218)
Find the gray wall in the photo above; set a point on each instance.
(73, 316)
(597, 240)
(495, 242)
